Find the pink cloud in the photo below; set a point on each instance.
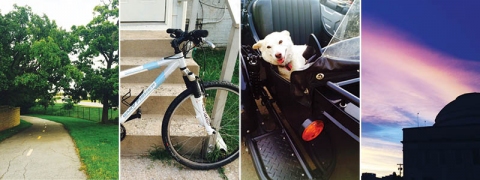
(400, 78)
(400, 75)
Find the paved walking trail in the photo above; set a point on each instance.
(44, 151)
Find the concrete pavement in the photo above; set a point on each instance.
(44, 151)
(141, 167)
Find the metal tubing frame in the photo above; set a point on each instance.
(174, 62)
(337, 87)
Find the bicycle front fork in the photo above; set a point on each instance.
(204, 119)
(201, 114)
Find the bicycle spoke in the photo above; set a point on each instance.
(191, 147)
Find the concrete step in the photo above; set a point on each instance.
(158, 101)
(138, 48)
(149, 76)
(142, 134)
(145, 133)
(151, 125)
(145, 44)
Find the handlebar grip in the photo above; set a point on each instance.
(195, 36)
(175, 33)
(199, 33)
(172, 30)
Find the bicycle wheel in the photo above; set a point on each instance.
(123, 132)
(187, 141)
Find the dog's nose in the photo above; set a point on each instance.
(278, 55)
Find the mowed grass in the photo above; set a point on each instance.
(211, 62)
(83, 112)
(14, 130)
(96, 143)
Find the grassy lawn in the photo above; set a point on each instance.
(14, 130)
(210, 62)
(211, 71)
(83, 112)
(97, 145)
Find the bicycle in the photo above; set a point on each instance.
(200, 128)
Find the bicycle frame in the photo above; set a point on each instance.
(173, 62)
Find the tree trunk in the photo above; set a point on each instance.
(105, 109)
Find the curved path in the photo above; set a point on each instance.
(43, 151)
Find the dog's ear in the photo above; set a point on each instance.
(258, 45)
(285, 32)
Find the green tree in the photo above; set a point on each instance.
(45, 101)
(99, 38)
(34, 62)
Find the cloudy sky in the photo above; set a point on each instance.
(65, 12)
(417, 56)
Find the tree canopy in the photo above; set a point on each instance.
(99, 38)
(34, 62)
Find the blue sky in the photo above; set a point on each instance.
(417, 56)
(449, 26)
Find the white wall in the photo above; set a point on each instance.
(218, 27)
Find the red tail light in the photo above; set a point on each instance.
(312, 129)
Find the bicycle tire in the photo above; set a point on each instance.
(181, 131)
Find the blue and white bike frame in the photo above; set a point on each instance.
(173, 62)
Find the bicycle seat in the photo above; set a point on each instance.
(300, 17)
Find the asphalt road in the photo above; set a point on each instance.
(44, 151)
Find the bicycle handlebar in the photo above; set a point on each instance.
(195, 36)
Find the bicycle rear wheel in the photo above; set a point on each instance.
(187, 141)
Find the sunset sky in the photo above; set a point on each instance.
(416, 58)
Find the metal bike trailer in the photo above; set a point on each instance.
(277, 149)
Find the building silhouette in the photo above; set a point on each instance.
(373, 176)
(450, 149)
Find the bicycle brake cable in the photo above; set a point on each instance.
(204, 62)
(184, 48)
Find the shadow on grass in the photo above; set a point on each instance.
(14, 130)
(97, 145)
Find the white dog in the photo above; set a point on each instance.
(277, 48)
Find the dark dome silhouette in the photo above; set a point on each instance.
(464, 110)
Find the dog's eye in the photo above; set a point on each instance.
(268, 47)
(280, 42)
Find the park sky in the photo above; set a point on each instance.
(417, 56)
(66, 13)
